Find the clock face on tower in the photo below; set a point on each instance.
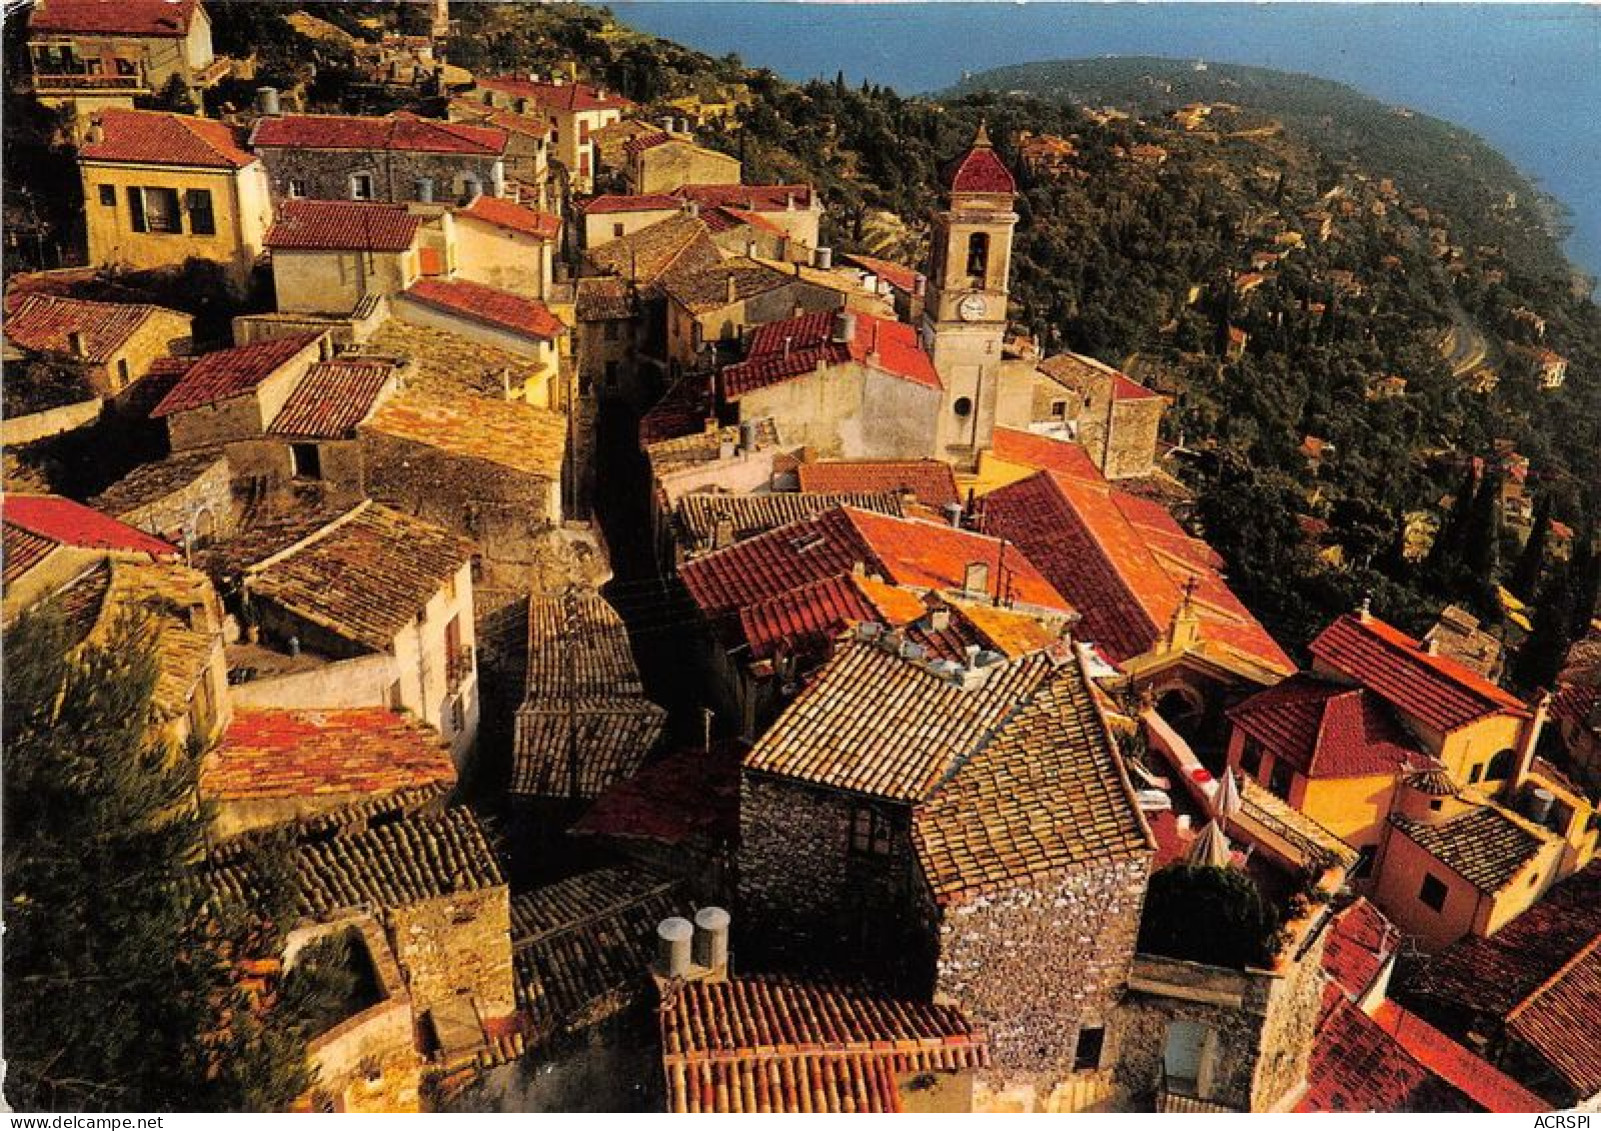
(972, 308)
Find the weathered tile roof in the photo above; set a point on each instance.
(931, 481)
(342, 225)
(1492, 975)
(979, 170)
(1328, 730)
(698, 514)
(769, 1044)
(1047, 792)
(149, 137)
(450, 364)
(1082, 374)
(607, 203)
(585, 722)
(704, 445)
(603, 298)
(1359, 942)
(1044, 453)
(399, 132)
(682, 411)
(1486, 846)
(499, 309)
(43, 323)
(1309, 840)
(283, 754)
(1442, 693)
(795, 347)
(1357, 1066)
(721, 284)
(676, 243)
(1558, 1021)
(230, 373)
(66, 523)
(897, 275)
(572, 97)
(511, 434)
(805, 620)
(465, 109)
(907, 552)
(1481, 1082)
(641, 142)
(582, 947)
(152, 19)
(506, 214)
(688, 800)
(749, 198)
(332, 398)
(22, 550)
(365, 577)
(150, 482)
(1124, 564)
(228, 559)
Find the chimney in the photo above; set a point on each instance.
(747, 435)
(976, 579)
(823, 258)
(77, 345)
(733, 289)
(843, 331)
(683, 126)
(939, 619)
(96, 132)
(789, 202)
(787, 339)
(953, 514)
(267, 101)
(750, 249)
(673, 940)
(971, 653)
(1529, 740)
(722, 532)
(666, 124)
(710, 948)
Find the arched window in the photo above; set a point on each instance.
(978, 254)
(1500, 767)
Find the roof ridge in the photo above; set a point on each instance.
(1579, 956)
(309, 539)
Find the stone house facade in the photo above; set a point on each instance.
(89, 58)
(112, 344)
(330, 255)
(575, 111)
(1113, 417)
(663, 163)
(236, 394)
(186, 499)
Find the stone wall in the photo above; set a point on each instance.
(209, 494)
(459, 944)
(1134, 430)
(1037, 964)
(51, 422)
(327, 172)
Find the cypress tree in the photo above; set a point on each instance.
(1542, 654)
(1525, 580)
(1586, 573)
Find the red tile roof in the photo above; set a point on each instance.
(897, 275)
(332, 398)
(342, 225)
(500, 309)
(505, 214)
(1480, 1081)
(398, 132)
(648, 202)
(749, 198)
(67, 523)
(807, 618)
(44, 323)
(1358, 1066)
(794, 347)
(768, 1044)
(1440, 692)
(155, 19)
(1564, 1008)
(979, 170)
(1328, 730)
(230, 373)
(569, 96)
(306, 754)
(1359, 943)
(638, 144)
(1124, 567)
(148, 137)
(933, 481)
(690, 798)
(1045, 453)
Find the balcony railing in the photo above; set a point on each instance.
(46, 82)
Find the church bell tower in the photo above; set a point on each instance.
(964, 319)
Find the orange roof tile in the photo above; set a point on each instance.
(931, 480)
(45, 323)
(1357, 1066)
(569, 96)
(1328, 730)
(500, 309)
(342, 225)
(154, 19)
(400, 132)
(505, 214)
(1481, 1081)
(148, 137)
(332, 398)
(511, 434)
(1044, 453)
(794, 347)
(230, 373)
(66, 523)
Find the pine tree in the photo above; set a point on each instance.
(118, 992)
(1525, 580)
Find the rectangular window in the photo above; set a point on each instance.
(202, 221)
(1087, 1057)
(583, 163)
(122, 373)
(1432, 893)
(617, 231)
(583, 131)
(1251, 757)
(305, 461)
(361, 186)
(161, 210)
(108, 195)
(1058, 410)
(136, 209)
(870, 832)
(1279, 781)
(297, 188)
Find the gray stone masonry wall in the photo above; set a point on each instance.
(459, 944)
(1134, 429)
(327, 172)
(1037, 963)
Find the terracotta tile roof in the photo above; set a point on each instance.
(806, 620)
(932, 481)
(697, 514)
(687, 801)
(399, 132)
(641, 142)
(1044, 453)
(581, 946)
(682, 411)
(680, 242)
(1476, 1078)
(1110, 555)
(400, 863)
(22, 550)
(1357, 1066)
(1047, 792)
(1440, 692)
(608, 203)
(702, 446)
(269, 753)
(1328, 730)
(1360, 941)
(979, 170)
(907, 552)
(364, 578)
(342, 225)
(795, 347)
(465, 109)
(63, 522)
(231, 373)
(43, 323)
(332, 398)
(748, 198)
(501, 310)
(449, 364)
(151, 482)
(1485, 846)
(721, 218)
(771, 1044)
(153, 19)
(571, 97)
(897, 275)
(721, 284)
(1492, 975)
(1554, 1021)
(604, 298)
(876, 724)
(149, 137)
(584, 702)
(1080, 373)
(505, 214)
(510, 434)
